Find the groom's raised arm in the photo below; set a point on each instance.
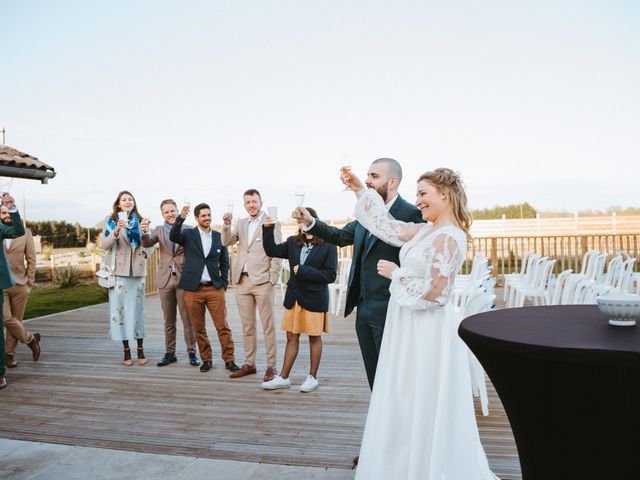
(337, 236)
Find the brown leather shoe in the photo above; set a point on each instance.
(11, 362)
(269, 374)
(34, 345)
(3, 382)
(243, 370)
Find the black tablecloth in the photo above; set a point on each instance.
(570, 384)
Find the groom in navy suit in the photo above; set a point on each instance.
(367, 290)
(205, 277)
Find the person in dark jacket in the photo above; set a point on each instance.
(313, 264)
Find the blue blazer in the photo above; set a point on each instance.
(217, 261)
(309, 286)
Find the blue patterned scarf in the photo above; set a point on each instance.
(132, 227)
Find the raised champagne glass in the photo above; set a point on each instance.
(346, 171)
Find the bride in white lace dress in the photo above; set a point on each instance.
(421, 422)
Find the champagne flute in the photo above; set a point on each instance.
(299, 193)
(346, 171)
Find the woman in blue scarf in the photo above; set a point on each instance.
(127, 258)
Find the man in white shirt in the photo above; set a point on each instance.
(205, 277)
(254, 274)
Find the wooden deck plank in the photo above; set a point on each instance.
(80, 394)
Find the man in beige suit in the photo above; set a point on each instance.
(171, 297)
(254, 274)
(21, 257)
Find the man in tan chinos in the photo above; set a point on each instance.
(21, 257)
(254, 274)
(168, 276)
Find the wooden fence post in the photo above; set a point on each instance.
(494, 258)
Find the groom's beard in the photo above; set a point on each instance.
(383, 191)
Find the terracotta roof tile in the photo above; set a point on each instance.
(15, 158)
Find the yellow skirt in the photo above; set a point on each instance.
(299, 320)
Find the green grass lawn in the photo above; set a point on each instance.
(44, 301)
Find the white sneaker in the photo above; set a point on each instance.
(310, 384)
(276, 382)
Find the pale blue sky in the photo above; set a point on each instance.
(533, 101)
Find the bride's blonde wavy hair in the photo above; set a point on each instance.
(449, 182)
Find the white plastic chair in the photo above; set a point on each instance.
(624, 280)
(281, 283)
(338, 289)
(561, 282)
(526, 275)
(529, 281)
(478, 301)
(613, 271)
(524, 264)
(539, 290)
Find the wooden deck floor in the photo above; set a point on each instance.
(80, 394)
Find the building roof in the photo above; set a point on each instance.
(11, 157)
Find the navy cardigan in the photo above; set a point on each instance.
(309, 286)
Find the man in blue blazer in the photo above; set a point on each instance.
(367, 290)
(16, 229)
(205, 277)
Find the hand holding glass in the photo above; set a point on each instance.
(345, 171)
(299, 196)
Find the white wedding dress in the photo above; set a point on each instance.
(421, 422)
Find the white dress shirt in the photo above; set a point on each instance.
(207, 241)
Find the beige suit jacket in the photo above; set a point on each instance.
(167, 256)
(22, 249)
(129, 262)
(262, 269)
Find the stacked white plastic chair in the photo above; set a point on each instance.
(534, 266)
(480, 275)
(597, 277)
(338, 289)
(477, 301)
(559, 286)
(281, 280)
(525, 275)
(538, 289)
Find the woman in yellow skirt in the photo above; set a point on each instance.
(313, 266)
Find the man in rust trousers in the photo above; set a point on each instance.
(254, 274)
(168, 276)
(20, 253)
(204, 279)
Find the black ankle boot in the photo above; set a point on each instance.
(193, 360)
(167, 359)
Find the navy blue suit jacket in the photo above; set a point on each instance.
(309, 286)
(216, 262)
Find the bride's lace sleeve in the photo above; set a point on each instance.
(433, 289)
(373, 215)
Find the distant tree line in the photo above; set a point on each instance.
(61, 234)
(519, 210)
